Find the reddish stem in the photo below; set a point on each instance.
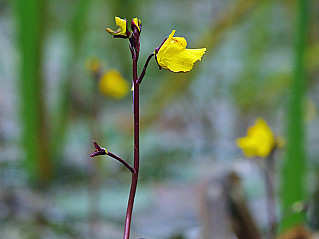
(139, 81)
(129, 167)
(129, 211)
(102, 151)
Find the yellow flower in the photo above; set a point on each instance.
(122, 31)
(259, 141)
(112, 84)
(174, 56)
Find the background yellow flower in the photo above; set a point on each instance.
(112, 84)
(259, 141)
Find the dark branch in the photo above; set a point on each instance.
(122, 161)
(144, 69)
(103, 151)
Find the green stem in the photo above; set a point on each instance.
(61, 116)
(31, 16)
(294, 170)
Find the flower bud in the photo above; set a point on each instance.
(98, 151)
(136, 24)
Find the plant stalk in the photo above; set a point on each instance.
(295, 165)
(129, 167)
(270, 195)
(144, 69)
(129, 211)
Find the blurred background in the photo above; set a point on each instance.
(56, 65)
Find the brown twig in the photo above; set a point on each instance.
(139, 81)
(103, 151)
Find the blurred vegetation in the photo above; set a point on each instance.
(31, 19)
(50, 110)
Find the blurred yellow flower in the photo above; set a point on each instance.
(259, 141)
(112, 84)
(122, 31)
(174, 56)
(93, 64)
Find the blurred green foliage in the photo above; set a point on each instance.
(187, 120)
(31, 19)
(295, 168)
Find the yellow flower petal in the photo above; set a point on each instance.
(121, 23)
(137, 23)
(259, 141)
(174, 56)
(112, 84)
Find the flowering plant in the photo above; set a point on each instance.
(172, 55)
(261, 142)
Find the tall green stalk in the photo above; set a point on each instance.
(293, 174)
(77, 30)
(31, 16)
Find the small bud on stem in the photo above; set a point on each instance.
(102, 151)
